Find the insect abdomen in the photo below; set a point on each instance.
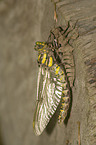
(60, 75)
(64, 106)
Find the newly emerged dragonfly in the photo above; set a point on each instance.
(52, 85)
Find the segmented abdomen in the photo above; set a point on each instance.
(62, 78)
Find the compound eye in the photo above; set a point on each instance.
(40, 46)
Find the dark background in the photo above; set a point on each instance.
(22, 23)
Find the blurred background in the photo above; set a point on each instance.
(22, 23)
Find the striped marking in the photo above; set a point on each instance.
(57, 70)
(59, 88)
(39, 57)
(50, 62)
(58, 93)
(46, 62)
(44, 58)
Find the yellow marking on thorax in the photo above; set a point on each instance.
(44, 45)
(44, 58)
(46, 63)
(50, 62)
(57, 70)
(39, 56)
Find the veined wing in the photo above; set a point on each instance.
(49, 92)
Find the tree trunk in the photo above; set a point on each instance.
(22, 23)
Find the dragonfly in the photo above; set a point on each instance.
(53, 85)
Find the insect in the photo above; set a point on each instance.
(52, 86)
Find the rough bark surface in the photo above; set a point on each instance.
(21, 24)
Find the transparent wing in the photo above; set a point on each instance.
(49, 92)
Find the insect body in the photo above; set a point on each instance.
(52, 86)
